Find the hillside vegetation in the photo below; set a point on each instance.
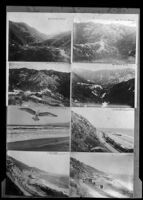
(33, 182)
(111, 86)
(28, 44)
(83, 136)
(41, 83)
(97, 42)
(87, 181)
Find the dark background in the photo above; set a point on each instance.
(72, 7)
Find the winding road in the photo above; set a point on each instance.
(107, 145)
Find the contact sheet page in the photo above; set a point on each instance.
(71, 101)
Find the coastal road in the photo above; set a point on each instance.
(103, 141)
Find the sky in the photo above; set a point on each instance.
(43, 22)
(108, 118)
(19, 117)
(108, 162)
(62, 67)
(50, 162)
(123, 19)
(95, 67)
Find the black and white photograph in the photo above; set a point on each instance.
(37, 174)
(103, 85)
(39, 37)
(39, 83)
(72, 102)
(105, 38)
(102, 130)
(38, 128)
(101, 176)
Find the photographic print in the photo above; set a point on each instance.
(39, 83)
(103, 85)
(102, 130)
(101, 176)
(39, 37)
(105, 38)
(38, 128)
(36, 174)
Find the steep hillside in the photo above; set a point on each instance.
(21, 33)
(60, 40)
(87, 181)
(80, 170)
(49, 86)
(100, 86)
(28, 44)
(97, 41)
(84, 136)
(37, 80)
(122, 93)
(31, 181)
(104, 77)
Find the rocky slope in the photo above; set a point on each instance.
(28, 44)
(97, 41)
(47, 83)
(80, 170)
(122, 93)
(32, 182)
(21, 33)
(87, 181)
(103, 77)
(104, 85)
(84, 136)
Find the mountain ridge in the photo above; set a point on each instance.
(104, 86)
(25, 40)
(26, 79)
(104, 42)
(99, 76)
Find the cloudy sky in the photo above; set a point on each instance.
(123, 19)
(62, 67)
(108, 162)
(108, 118)
(44, 22)
(50, 162)
(95, 67)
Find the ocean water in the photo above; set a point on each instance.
(29, 134)
(127, 132)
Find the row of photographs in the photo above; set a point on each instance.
(37, 174)
(68, 37)
(42, 128)
(76, 85)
